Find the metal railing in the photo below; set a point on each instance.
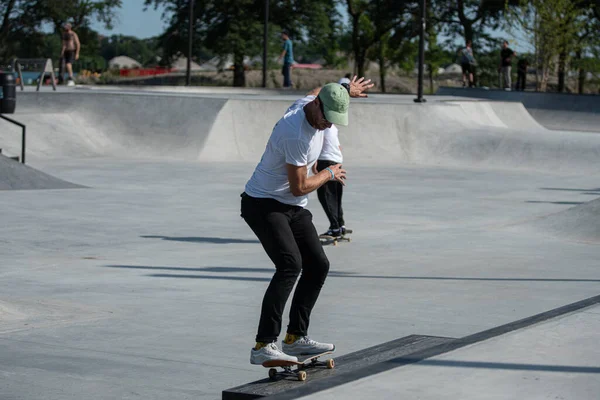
(23, 133)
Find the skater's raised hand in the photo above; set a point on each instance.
(339, 173)
(358, 87)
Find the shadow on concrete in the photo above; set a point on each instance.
(332, 274)
(213, 269)
(214, 240)
(565, 203)
(572, 190)
(504, 366)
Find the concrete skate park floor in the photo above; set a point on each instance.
(148, 283)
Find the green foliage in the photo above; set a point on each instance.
(552, 26)
(469, 19)
(141, 50)
(20, 30)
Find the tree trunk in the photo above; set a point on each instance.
(239, 75)
(468, 31)
(6, 19)
(360, 60)
(544, 80)
(382, 69)
(430, 67)
(581, 73)
(5, 28)
(562, 65)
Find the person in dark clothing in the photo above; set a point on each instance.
(522, 74)
(467, 63)
(287, 55)
(506, 55)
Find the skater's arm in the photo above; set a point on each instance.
(77, 45)
(358, 87)
(301, 185)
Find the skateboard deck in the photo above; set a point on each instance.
(303, 363)
(326, 239)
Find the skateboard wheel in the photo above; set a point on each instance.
(330, 363)
(335, 242)
(349, 239)
(301, 376)
(272, 373)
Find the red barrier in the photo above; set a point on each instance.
(131, 73)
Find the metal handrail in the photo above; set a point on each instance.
(24, 129)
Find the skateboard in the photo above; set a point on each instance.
(325, 239)
(303, 362)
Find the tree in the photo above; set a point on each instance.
(553, 27)
(467, 18)
(80, 13)
(20, 33)
(141, 50)
(588, 43)
(234, 28)
(372, 23)
(435, 56)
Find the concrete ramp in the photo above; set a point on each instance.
(233, 127)
(17, 176)
(558, 111)
(241, 130)
(115, 125)
(580, 223)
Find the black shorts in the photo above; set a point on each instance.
(69, 56)
(467, 68)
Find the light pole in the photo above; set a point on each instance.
(265, 44)
(190, 45)
(420, 98)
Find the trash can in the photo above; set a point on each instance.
(8, 93)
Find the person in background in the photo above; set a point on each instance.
(506, 55)
(70, 50)
(345, 80)
(330, 194)
(288, 59)
(467, 63)
(522, 66)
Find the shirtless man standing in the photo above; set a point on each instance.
(70, 50)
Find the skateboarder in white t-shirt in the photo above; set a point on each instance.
(330, 194)
(273, 206)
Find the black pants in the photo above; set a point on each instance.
(291, 241)
(287, 75)
(521, 78)
(330, 197)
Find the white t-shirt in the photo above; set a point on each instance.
(331, 144)
(293, 141)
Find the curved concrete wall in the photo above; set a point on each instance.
(230, 129)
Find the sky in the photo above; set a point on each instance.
(132, 20)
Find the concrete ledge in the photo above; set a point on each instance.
(344, 368)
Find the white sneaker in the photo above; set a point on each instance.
(269, 353)
(71, 83)
(305, 346)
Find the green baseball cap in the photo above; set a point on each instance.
(335, 100)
